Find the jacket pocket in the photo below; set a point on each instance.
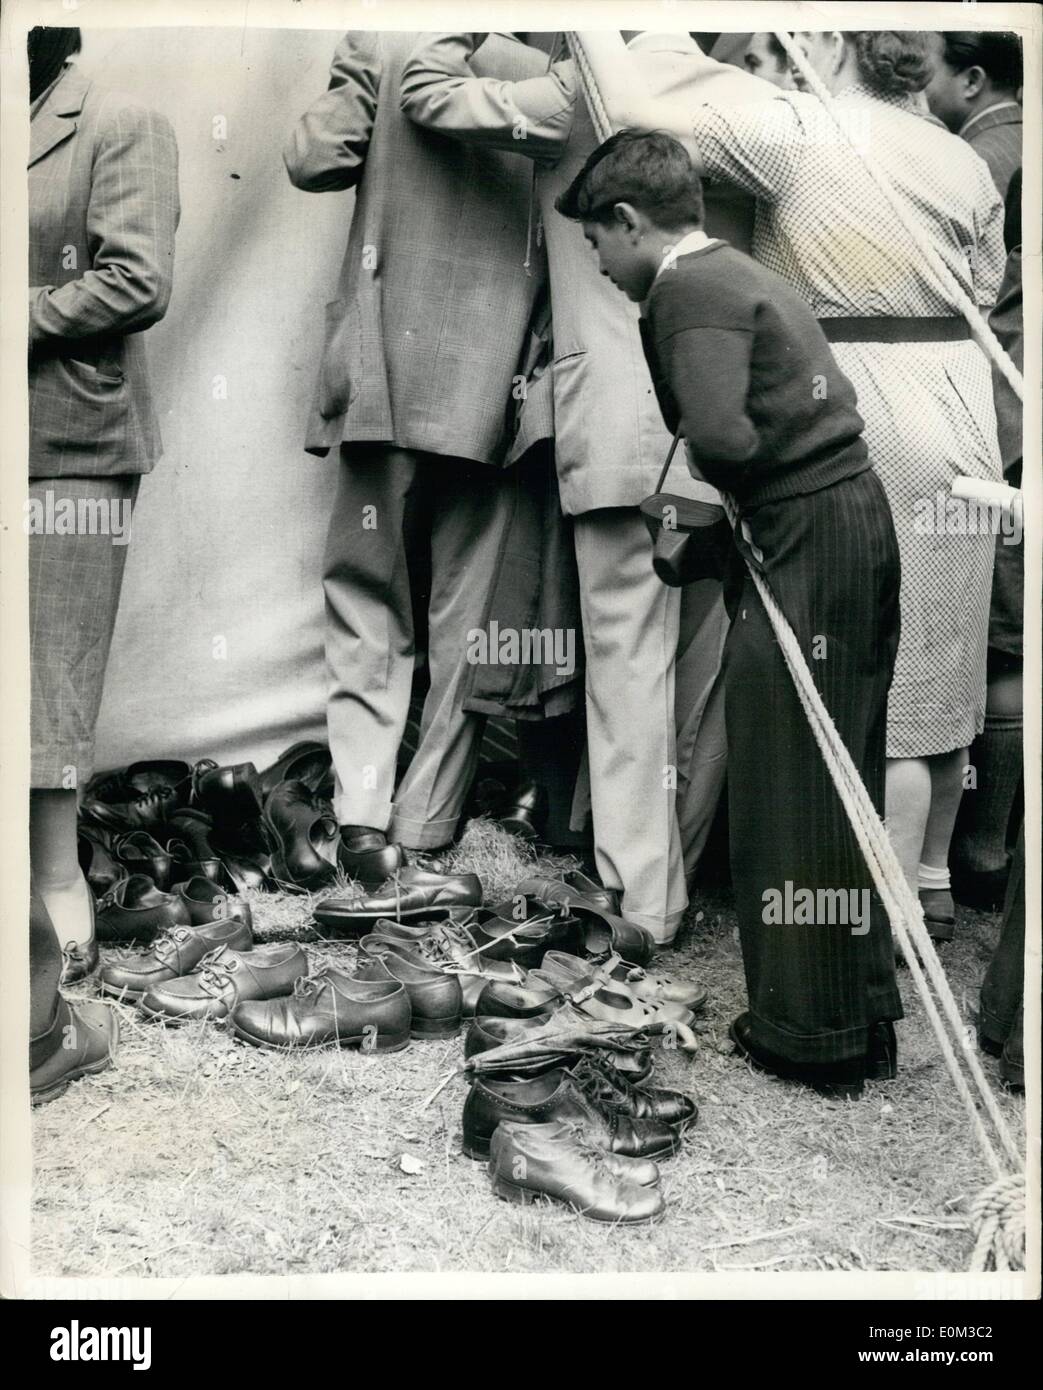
(341, 369)
(77, 407)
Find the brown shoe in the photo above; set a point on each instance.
(224, 979)
(554, 1160)
(329, 1009)
(175, 954)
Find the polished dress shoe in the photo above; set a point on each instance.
(206, 902)
(600, 1080)
(939, 913)
(329, 1009)
(604, 934)
(834, 1080)
(139, 853)
(523, 930)
(572, 886)
(556, 1095)
(136, 910)
(96, 861)
(308, 762)
(174, 954)
(122, 809)
(435, 997)
(412, 895)
(524, 811)
(88, 1046)
(450, 948)
(80, 960)
(223, 979)
(632, 1059)
(304, 836)
(528, 1162)
(365, 855)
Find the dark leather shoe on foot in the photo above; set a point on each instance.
(412, 895)
(557, 1096)
(135, 910)
(554, 1160)
(80, 960)
(329, 1009)
(224, 979)
(882, 1057)
(939, 913)
(175, 954)
(304, 837)
(89, 1044)
(834, 1080)
(366, 856)
(524, 812)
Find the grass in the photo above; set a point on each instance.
(197, 1155)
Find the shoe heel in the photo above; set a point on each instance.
(424, 1029)
(511, 1192)
(478, 1148)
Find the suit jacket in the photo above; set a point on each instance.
(596, 397)
(424, 338)
(996, 137)
(103, 209)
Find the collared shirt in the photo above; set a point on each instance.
(691, 241)
(822, 222)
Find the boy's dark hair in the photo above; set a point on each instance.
(998, 53)
(653, 172)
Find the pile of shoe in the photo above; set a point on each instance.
(239, 828)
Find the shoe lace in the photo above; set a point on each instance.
(167, 942)
(307, 986)
(600, 1079)
(589, 1147)
(215, 972)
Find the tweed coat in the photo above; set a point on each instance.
(103, 209)
(596, 398)
(431, 318)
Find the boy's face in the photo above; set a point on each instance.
(625, 255)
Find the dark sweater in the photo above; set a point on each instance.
(739, 360)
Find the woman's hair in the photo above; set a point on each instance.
(653, 172)
(997, 53)
(48, 49)
(893, 62)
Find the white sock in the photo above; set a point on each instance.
(931, 879)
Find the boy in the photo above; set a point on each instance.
(742, 366)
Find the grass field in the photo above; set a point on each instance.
(197, 1155)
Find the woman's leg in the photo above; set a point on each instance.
(946, 773)
(55, 867)
(907, 808)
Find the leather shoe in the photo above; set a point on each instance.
(631, 1059)
(600, 1080)
(556, 1095)
(364, 855)
(450, 948)
(96, 861)
(92, 1034)
(555, 1160)
(652, 989)
(176, 953)
(329, 1009)
(834, 1080)
(524, 930)
(303, 835)
(80, 960)
(435, 997)
(604, 996)
(524, 812)
(206, 902)
(135, 910)
(139, 853)
(939, 913)
(573, 886)
(224, 979)
(231, 796)
(309, 762)
(413, 894)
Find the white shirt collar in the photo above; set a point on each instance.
(996, 106)
(691, 241)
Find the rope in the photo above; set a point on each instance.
(944, 278)
(998, 1213)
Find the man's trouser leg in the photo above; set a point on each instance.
(470, 512)
(369, 629)
(630, 632)
(702, 744)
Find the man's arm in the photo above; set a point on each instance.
(326, 151)
(531, 117)
(132, 215)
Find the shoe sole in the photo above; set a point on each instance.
(428, 1029)
(525, 1196)
(353, 924)
(363, 1043)
(479, 1151)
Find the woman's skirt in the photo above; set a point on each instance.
(78, 534)
(816, 942)
(929, 417)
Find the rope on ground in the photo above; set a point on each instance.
(999, 1212)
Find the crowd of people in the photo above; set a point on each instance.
(525, 320)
